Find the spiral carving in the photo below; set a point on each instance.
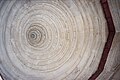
(50, 39)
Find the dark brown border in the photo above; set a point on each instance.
(108, 44)
(111, 29)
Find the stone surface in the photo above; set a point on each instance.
(115, 10)
(51, 39)
(112, 68)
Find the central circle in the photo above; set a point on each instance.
(34, 35)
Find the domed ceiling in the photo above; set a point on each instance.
(52, 39)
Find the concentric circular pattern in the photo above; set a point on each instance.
(35, 34)
(50, 39)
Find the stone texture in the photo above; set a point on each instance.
(112, 68)
(55, 40)
(115, 10)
